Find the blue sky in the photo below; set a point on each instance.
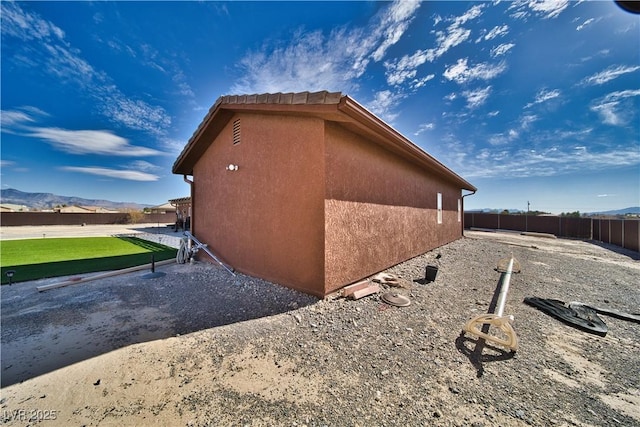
(528, 100)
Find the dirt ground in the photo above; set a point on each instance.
(200, 347)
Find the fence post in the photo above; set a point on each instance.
(560, 226)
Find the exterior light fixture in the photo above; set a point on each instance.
(9, 274)
(232, 167)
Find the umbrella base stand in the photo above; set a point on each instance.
(480, 326)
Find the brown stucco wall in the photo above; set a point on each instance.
(379, 209)
(267, 218)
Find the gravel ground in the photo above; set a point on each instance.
(198, 347)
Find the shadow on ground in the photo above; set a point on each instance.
(42, 332)
(617, 249)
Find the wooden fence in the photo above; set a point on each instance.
(620, 232)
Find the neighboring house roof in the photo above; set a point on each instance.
(10, 207)
(164, 207)
(331, 106)
(99, 209)
(74, 209)
(180, 201)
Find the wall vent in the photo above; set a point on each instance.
(236, 132)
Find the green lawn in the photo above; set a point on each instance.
(40, 258)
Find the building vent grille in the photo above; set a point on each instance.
(236, 132)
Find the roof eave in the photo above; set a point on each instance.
(348, 110)
(193, 150)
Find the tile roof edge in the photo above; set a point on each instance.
(286, 98)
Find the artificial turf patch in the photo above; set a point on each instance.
(33, 259)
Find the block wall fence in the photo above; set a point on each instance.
(14, 219)
(620, 232)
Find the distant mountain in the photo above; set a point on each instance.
(625, 211)
(490, 210)
(49, 201)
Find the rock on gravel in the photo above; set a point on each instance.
(292, 360)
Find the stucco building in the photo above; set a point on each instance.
(313, 191)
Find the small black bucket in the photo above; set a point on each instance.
(432, 272)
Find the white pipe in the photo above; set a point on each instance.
(502, 298)
(101, 276)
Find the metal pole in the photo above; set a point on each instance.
(502, 298)
(202, 246)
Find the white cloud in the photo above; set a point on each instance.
(393, 23)
(405, 68)
(143, 165)
(425, 127)
(91, 142)
(461, 73)
(383, 103)
(476, 98)
(527, 120)
(522, 126)
(447, 40)
(6, 163)
(136, 114)
(474, 12)
(608, 113)
(609, 74)
(129, 175)
(454, 34)
(546, 153)
(497, 31)
(544, 96)
(173, 146)
(417, 83)
(510, 161)
(27, 26)
(584, 24)
(501, 49)
(313, 61)
(67, 64)
(546, 8)
(51, 51)
(11, 118)
(615, 109)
